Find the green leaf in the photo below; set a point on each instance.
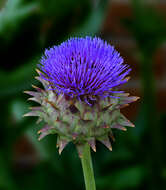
(18, 108)
(93, 23)
(12, 14)
(16, 81)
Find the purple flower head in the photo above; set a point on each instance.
(84, 68)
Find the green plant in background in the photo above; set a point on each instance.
(13, 14)
(80, 102)
(149, 31)
(22, 41)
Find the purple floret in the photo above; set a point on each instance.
(84, 67)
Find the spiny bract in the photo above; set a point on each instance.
(80, 101)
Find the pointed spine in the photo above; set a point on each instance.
(32, 113)
(92, 144)
(130, 99)
(44, 82)
(32, 93)
(62, 144)
(44, 131)
(125, 122)
(38, 89)
(120, 127)
(35, 99)
(120, 106)
(106, 142)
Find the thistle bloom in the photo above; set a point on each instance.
(84, 67)
(81, 99)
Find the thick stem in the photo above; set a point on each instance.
(88, 168)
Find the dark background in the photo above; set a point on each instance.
(138, 31)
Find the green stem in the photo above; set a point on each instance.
(88, 168)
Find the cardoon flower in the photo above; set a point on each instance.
(81, 99)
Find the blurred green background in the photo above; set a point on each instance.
(27, 27)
